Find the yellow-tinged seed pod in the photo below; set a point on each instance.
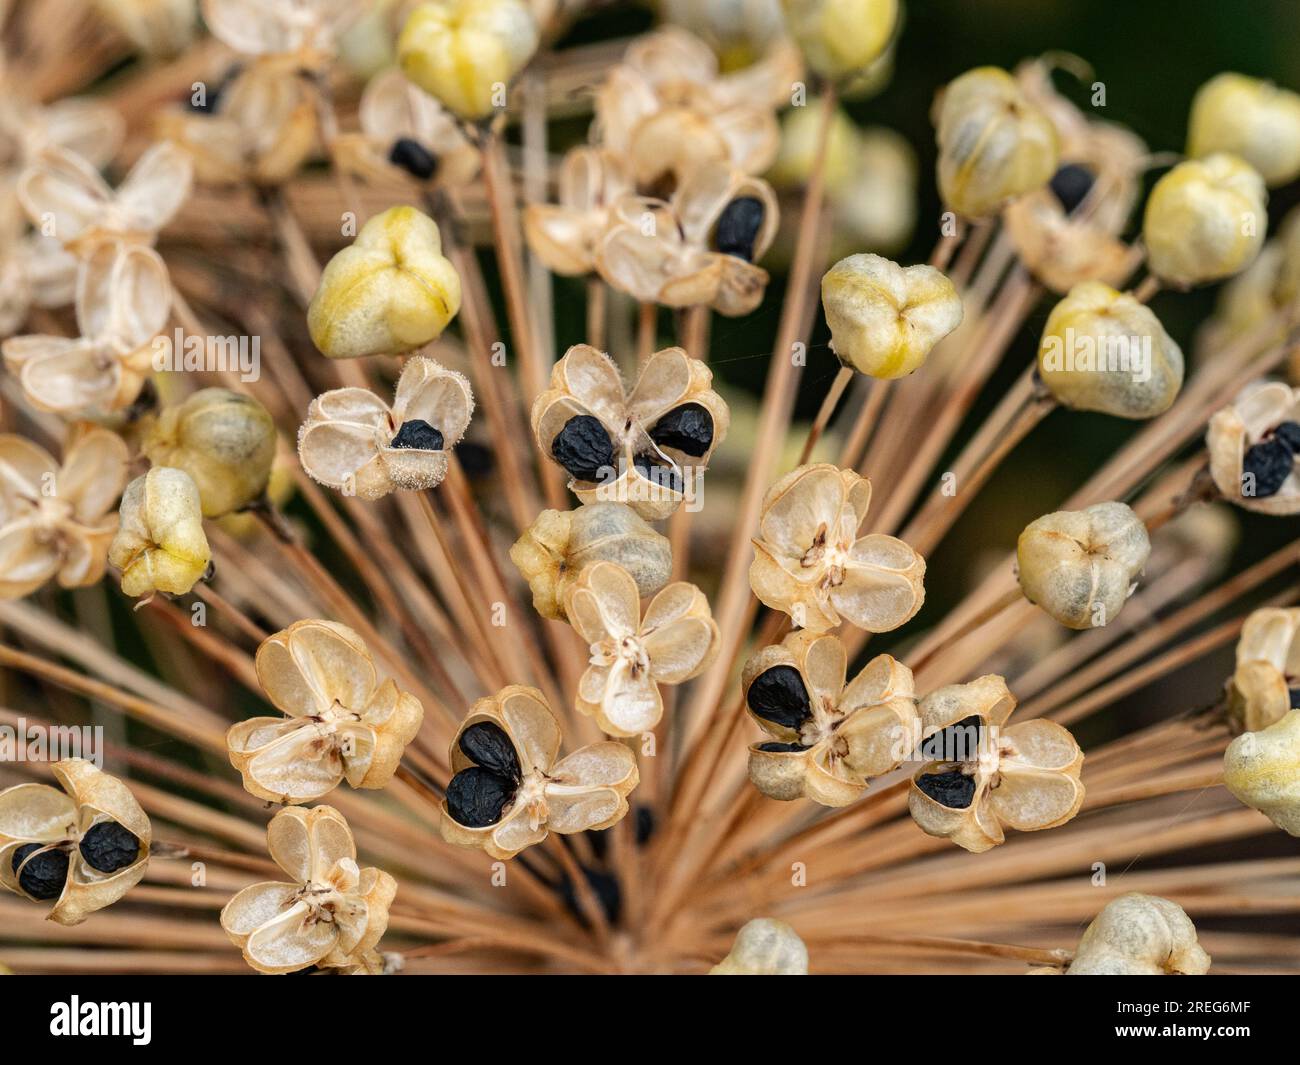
(160, 545)
(1140, 935)
(1262, 769)
(1205, 220)
(799, 132)
(464, 52)
(841, 38)
(765, 947)
(390, 292)
(1251, 118)
(1102, 350)
(994, 143)
(885, 318)
(224, 441)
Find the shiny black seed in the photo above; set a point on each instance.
(956, 743)
(1295, 698)
(953, 789)
(1289, 434)
(1268, 462)
(109, 847)
(488, 745)
(418, 434)
(778, 695)
(688, 428)
(44, 876)
(583, 448)
(1072, 183)
(414, 158)
(782, 747)
(738, 227)
(653, 470)
(476, 796)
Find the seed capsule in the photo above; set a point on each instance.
(463, 52)
(1080, 566)
(1102, 350)
(1140, 935)
(1252, 458)
(42, 872)
(389, 293)
(841, 38)
(1251, 118)
(765, 947)
(109, 847)
(160, 545)
(223, 440)
(1205, 220)
(884, 318)
(1262, 769)
(477, 796)
(994, 143)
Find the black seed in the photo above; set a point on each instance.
(418, 434)
(1071, 184)
(778, 695)
(688, 428)
(1269, 462)
(738, 227)
(953, 789)
(109, 847)
(1289, 434)
(956, 743)
(1295, 698)
(414, 158)
(44, 876)
(583, 448)
(476, 796)
(488, 745)
(605, 888)
(782, 747)
(653, 470)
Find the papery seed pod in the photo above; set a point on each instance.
(1080, 565)
(1265, 685)
(737, 29)
(841, 38)
(339, 721)
(1102, 350)
(1140, 935)
(885, 318)
(765, 947)
(994, 143)
(225, 442)
(800, 128)
(832, 737)
(1262, 769)
(564, 235)
(876, 208)
(561, 543)
(1250, 118)
(1205, 219)
(503, 814)
(390, 292)
(84, 846)
(988, 778)
(465, 52)
(332, 914)
(1253, 448)
(810, 562)
(1063, 249)
(160, 545)
(159, 28)
(633, 653)
(305, 32)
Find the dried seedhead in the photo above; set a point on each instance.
(160, 545)
(1140, 935)
(1250, 118)
(1265, 685)
(1253, 443)
(565, 235)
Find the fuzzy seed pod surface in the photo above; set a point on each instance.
(1260, 692)
(160, 545)
(765, 947)
(1262, 769)
(1140, 935)
(1249, 117)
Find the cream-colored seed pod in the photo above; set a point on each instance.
(465, 52)
(390, 292)
(1251, 118)
(1080, 565)
(83, 847)
(800, 129)
(160, 545)
(1262, 769)
(1102, 350)
(160, 28)
(223, 440)
(1260, 692)
(1252, 448)
(1205, 220)
(994, 143)
(561, 543)
(765, 947)
(841, 38)
(1140, 935)
(885, 318)
(633, 653)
